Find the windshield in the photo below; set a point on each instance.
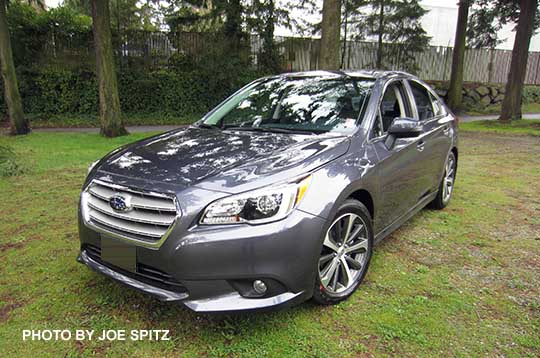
(311, 104)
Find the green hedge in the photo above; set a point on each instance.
(531, 94)
(50, 91)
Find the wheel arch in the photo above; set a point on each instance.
(455, 151)
(364, 196)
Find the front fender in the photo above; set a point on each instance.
(333, 183)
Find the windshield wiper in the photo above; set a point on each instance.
(273, 130)
(208, 126)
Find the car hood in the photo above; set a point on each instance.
(222, 160)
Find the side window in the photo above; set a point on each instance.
(438, 108)
(393, 105)
(423, 101)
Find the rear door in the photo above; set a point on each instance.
(428, 109)
(399, 164)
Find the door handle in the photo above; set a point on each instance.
(420, 145)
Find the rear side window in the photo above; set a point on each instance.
(438, 108)
(422, 98)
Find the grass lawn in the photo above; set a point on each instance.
(496, 109)
(524, 126)
(460, 282)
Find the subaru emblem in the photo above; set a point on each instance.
(120, 202)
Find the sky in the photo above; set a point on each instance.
(440, 24)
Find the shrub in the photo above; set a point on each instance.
(531, 94)
(8, 162)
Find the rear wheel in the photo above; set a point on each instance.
(446, 187)
(345, 254)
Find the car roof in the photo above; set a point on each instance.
(373, 74)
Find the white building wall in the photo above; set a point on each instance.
(440, 23)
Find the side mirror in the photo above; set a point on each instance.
(403, 127)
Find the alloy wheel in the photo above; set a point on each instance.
(449, 176)
(344, 254)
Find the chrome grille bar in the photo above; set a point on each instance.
(146, 202)
(142, 216)
(150, 218)
(124, 225)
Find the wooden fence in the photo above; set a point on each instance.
(154, 49)
(481, 65)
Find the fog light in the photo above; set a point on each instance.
(259, 287)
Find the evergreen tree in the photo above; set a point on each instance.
(225, 18)
(192, 16)
(482, 27)
(263, 16)
(489, 16)
(395, 26)
(124, 14)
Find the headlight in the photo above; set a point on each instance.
(257, 206)
(92, 166)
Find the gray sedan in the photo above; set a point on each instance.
(276, 196)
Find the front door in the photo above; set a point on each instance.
(399, 166)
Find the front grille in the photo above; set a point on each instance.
(145, 273)
(149, 219)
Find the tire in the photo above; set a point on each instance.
(447, 182)
(332, 289)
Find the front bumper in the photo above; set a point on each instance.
(222, 303)
(210, 266)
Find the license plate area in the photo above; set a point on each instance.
(119, 253)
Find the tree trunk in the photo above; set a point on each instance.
(345, 30)
(18, 123)
(381, 32)
(270, 61)
(455, 95)
(331, 26)
(511, 105)
(110, 114)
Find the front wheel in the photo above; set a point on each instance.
(446, 187)
(345, 254)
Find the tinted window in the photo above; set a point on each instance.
(423, 101)
(438, 108)
(312, 103)
(392, 105)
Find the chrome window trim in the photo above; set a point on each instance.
(144, 243)
(404, 83)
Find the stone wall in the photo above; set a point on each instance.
(475, 96)
(479, 96)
